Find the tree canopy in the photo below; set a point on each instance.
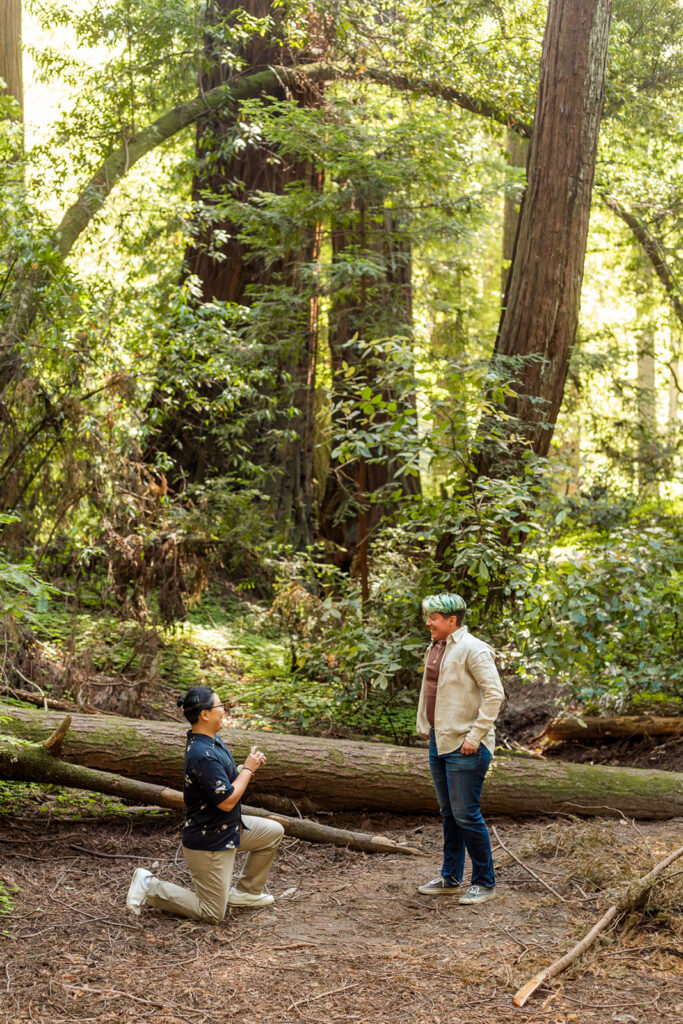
(253, 324)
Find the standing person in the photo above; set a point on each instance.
(459, 701)
(214, 826)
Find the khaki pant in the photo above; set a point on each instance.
(211, 872)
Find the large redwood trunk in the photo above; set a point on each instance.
(343, 775)
(542, 301)
(374, 306)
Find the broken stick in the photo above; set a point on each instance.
(313, 832)
(633, 896)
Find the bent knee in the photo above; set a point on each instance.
(210, 915)
(275, 833)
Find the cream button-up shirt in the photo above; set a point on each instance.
(468, 695)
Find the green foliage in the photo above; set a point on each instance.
(610, 618)
(144, 432)
(22, 592)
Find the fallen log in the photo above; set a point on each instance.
(321, 774)
(632, 898)
(575, 727)
(24, 761)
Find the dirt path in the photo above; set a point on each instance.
(348, 940)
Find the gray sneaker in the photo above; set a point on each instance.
(439, 887)
(478, 894)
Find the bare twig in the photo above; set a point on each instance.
(321, 995)
(114, 992)
(527, 868)
(108, 856)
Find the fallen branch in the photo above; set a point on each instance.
(526, 867)
(115, 993)
(313, 832)
(56, 705)
(632, 898)
(322, 995)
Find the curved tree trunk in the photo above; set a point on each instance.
(319, 774)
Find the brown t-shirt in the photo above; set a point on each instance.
(432, 665)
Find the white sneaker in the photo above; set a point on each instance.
(137, 891)
(249, 899)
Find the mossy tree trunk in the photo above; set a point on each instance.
(320, 774)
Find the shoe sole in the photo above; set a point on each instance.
(440, 892)
(481, 899)
(253, 906)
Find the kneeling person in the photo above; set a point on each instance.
(214, 826)
(459, 701)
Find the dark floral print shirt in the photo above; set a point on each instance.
(209, 774)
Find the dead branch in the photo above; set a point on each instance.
(632, 898)
(313, 832)
(527, 868)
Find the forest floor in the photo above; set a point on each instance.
(348, 939)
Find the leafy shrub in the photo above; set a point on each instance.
(22, 591)
(608, 615)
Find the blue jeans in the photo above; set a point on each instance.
(458, 780)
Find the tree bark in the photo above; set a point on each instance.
(612, 728)
(319, 774)
(10, 51)
(229, 269)
(539, 321)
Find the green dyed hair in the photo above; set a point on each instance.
(445, 604)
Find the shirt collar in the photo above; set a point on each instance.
(452, 638)
(196, 737)
(458, 635)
